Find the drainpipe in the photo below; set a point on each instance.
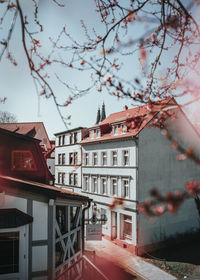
(83, 224)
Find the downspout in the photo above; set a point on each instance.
(83, 224)
(137, 195)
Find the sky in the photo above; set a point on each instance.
(17, 85)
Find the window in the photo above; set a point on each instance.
(95, 159)
(9, 253)
(86, 157)
(59, 141)
(98, 133)
(23, 160)
(115, 130)
(61, 178)
(63, 158)
(86, 183)
(70, 178)
(75, 179)
(114, 186)
(127, 227)
(125, 157)
(71, 158)
(103, 186)
(59, 158)
(114, 158)
(75, 158)
(123, 129)
(71, 138)
(92, 134)
(104, 158)
(125, 188)
(75, 137)
(94, 185)
(63, 139)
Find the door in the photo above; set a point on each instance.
(113, 225)
(13, 255)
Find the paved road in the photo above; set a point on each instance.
(133, 265)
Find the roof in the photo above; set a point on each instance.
(42, 188)
(8, 132)
(68, 131)
(142, 114)
(22, 128)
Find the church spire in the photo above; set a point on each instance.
(103, 112)
(98, 116)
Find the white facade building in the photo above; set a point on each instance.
(120, 160)
(123, 159)
(68, 159)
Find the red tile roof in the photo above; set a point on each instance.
(32, 129)
(145, 112)
(41, 186)
(21, 128)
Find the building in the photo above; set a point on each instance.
(36, 130)
(50, 159)
(41, 226)
(124, 157)
(68, 158)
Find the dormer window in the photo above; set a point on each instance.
(123, 129)
(98, 133)
(92, 134)
(23, 160)
(115, 130)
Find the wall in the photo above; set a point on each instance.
(109, 171)
(158, 168)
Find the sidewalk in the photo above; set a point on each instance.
(130, 263)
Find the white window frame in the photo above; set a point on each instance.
(95, 158)
(23, 251)
(86, 158)
(123, 157)
(115, 130)
(104, 157)
(75, 176)
(106, 186)
(59, 177)
(124, 128)
(123, 192)
(92, 134)
(93, 188)
(111, 186)
(86, 187)
(98, 133)
(63, 158)
(112, 158)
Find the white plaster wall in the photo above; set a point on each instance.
(68, 168)
(110, 171)
(51, 164)
(40, 218)
(8, 201)
(39, 258)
